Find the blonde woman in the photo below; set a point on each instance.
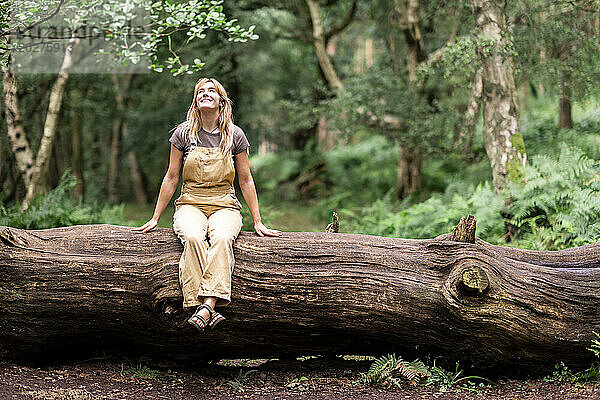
(212, 150)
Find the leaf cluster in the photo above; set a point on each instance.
(133, 29)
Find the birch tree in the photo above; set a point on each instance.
(501, 133)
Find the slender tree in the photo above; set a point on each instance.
(502, 138)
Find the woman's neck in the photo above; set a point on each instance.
(209, 120)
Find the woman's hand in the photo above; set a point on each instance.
(262, 230)
(147, 227)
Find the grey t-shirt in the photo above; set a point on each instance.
(181, 142)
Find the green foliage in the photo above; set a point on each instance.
(391, 370)
(59, 208)
(595, 346)
(437, 215)
(542, 136)
(140, 371)
(592, 374)
(380, 94)
(557, 42)
(240, 381)
(447, 379)
(558, 205)
(561, 374)
(135, 29)
(343, 177)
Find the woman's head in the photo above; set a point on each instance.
(210, 97)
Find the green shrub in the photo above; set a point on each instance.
(59, 208)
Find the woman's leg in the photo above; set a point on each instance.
(190, 224)
(223, 228)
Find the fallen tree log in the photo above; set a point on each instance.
(81, 290)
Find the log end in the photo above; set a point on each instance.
(473, 282)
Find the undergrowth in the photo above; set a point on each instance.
(557, 207)
(58, 207)
(563, 374)
(392, 371)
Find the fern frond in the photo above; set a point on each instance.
(390, 370)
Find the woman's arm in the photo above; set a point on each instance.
(167, 188)
(242, 167)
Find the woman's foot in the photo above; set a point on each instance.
(201, 318)
(205, 317)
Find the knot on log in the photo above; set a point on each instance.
(473, 282)
(465, 230)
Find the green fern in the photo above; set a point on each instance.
(558, 206)
(592, 374)
(390, 370)
(595, 347)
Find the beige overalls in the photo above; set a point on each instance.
(207, 206)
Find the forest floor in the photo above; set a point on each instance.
(250, 379)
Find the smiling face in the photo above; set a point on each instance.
(207, 97)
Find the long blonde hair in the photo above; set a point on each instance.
(193, 122)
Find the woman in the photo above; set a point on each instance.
(212, 150)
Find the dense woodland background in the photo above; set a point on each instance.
(401, 115)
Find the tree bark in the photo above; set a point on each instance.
(81, 290)
(328, 136)
(502, 139)
(56, 95)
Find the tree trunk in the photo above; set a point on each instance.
(81, 290)
(409, 171)
(410, 161)
(77, 148)
(16, 132)
(328, 136)
(466, 130)
(121, 88)
(136, 178)
(318, 38)
(502, 138)
(56, 95)
(565, 116)
(414, 39)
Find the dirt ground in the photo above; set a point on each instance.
(247, 379)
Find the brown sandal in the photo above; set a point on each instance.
(198, 321)
(201, 323)
(215, 318)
